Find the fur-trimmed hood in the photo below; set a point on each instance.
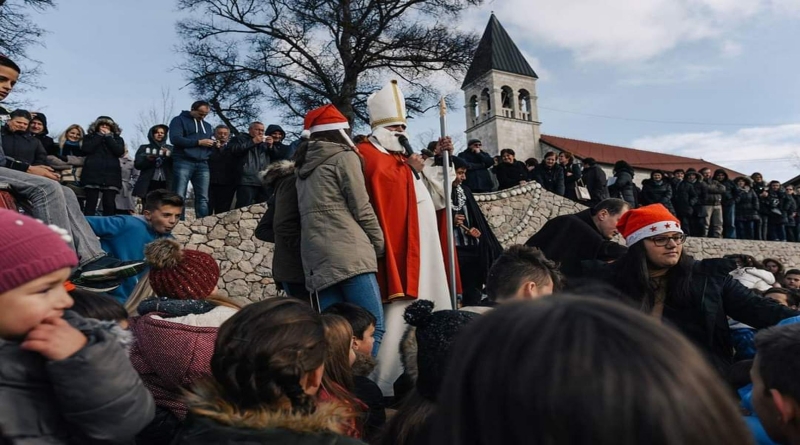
(408, 353)
(275, 171)
(104, 120)
(206, 401)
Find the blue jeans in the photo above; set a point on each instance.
(729, 221)
(185, 170)
(747, 230)
(776, 232)
(361, 290)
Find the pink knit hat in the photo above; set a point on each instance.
(30, 250)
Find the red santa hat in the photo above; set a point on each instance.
(646, 222)
(326, 118)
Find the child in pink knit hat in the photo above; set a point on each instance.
(63, 378)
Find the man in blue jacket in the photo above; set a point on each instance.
(192, 138)
(125, 236)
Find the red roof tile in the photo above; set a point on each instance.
(648, 160)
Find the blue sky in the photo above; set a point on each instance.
(728, 67)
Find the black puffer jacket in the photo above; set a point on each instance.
(94, 396)
(685, 198)
(23, 147)
(101, 167)
(510, 175)
(595, 179)
(623, 187)
(657, 193)
(147, 162)
(552, 179)
(747, 202)
(713, 297)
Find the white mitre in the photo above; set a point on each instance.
(387, 106)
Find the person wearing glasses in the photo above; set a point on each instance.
(479, 178)
(696, 297)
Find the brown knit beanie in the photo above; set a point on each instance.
(180, 273)
(30, 250)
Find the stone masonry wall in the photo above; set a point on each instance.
(514, 215)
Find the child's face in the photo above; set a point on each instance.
(793, 281)
(26, 306)
(364, 345)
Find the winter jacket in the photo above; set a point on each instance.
(152, 161)
(282, 151)
(185, 133)
(596, 181)
(775, 207)
(657, 193)
(124, 238)
(281, 223)
(685, 198)
(223, 166)
(624, 188)
(753, 278)
(48, 143)
(715, 194)
(552, 179)
(713, 297)
(747, 205)
(341, 236)
(570, 181)
(510, 175)
(93, 396)
(479, 178)
(701, 187)
(23, 147)
(791, 210)
(253, 158)
(130, 175)
(214, 421)
(101, 167)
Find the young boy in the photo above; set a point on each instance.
(792, 279)
(125, 236)
(785, 297)
(363, 324)
(63, 379)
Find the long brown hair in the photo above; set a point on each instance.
(338, 376)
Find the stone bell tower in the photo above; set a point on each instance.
(500, 96)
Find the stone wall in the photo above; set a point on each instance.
(513, 214)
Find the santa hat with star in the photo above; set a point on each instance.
(646, 222)
(326, 118)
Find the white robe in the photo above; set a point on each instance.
(432, 281)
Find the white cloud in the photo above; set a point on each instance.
(773, 151)
(627, 30)
(731, 49)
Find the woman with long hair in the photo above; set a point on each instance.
(102, 173)
(175, 333)
(341, 237)
(572, 174)
(569, 371)
(337, 381)
(266, 371)
(550, 174)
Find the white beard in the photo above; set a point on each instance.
(388, 139)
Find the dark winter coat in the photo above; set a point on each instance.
(213, 421)
(595, 179)
(685, 198)
(657, 193)
(148, 163)
(23, 147)
(254, 158)
(713, 297)
(223, 166)
(552, 179)
(747, 205)
(624, 188)
(791, 210)
(281, 223)
(101, 167)
(729, 197)
(572, 239)
(775, 207)
(93, 396)
(570, 181)
(47, 142)
(701, 187)
(479, 178)
(185, 133)
(715, 194)
(510, 175)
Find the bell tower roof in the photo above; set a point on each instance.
(496, 51)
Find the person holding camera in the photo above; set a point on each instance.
(257, 150)
(479, 178)
(154, 162)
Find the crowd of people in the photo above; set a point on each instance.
(708, 204)
(642, 342)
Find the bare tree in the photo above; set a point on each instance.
(18, 33)
(159, 112)
(299, 54)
